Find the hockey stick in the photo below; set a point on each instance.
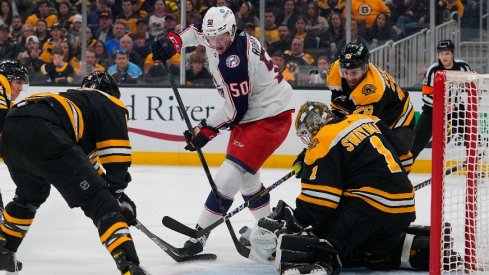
(244, 251)
(178, 254)
(452, 169)
(183, 229)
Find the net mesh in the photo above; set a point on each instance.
(465, 189)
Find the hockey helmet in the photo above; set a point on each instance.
(354, 56)
(101, 81)
(445, 45)
(312, 116)
(12, 70)
(217, 21)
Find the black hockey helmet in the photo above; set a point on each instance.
(101, 81)
(312, 116)
(445, 45)
(354, 56)
(12, 69)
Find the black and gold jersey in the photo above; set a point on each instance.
(377, 94)
(351, 162)
(5, 99)
(97, 122)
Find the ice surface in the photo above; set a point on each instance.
(62, 241)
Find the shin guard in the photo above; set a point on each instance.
(17, 220)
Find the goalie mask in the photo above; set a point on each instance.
(103, 82)
(311, 118)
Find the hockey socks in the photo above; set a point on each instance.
(17, 220)
(261, 207)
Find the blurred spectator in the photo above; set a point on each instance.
(58, 71)
(16, 28)
(124, 71)
(32, 61)
(26, 31)
(104, 32)
(128, 16)
(94, 17)
(103, 58)
(156, 23)
(442, 14)
(198, 75)
(335, 32)
(327, 7)
(413, 15)
(64, 15)
(134, 57)
(246, 14)
(297, 55)
(250, 29)
(43, 12)
(382, 31)
(271, 30)
(170, 23)
(90, 62)
(24, 8)
(279, 61)
(32, 42)
(455, 6)
(6, 13)
(54, 41)
(301, 33)
(355, 37)
(142, 27)
(221, 3)
(153, 72)
(7, 44)
(365, 11)
(118, 31)
(42, 31)
(318, 75)
(289, 16)
(284, 41)
(69, 57)
(199, 49)
(74, 35)
(315, 23)
(193, 16)
(471, 19)
(91, 42)
(140, 45)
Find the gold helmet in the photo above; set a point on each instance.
(311, 118)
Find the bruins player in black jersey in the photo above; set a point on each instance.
(359, 87)
(446, 61)
(355, 205)
(46, 141)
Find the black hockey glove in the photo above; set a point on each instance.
(199, 139)
(117, 188)
(128, 209)
(165, 47)
(342, 106)
(281, 221)
(299, 162)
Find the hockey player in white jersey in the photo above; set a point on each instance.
(257, 108)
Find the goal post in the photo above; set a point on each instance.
(460, 200)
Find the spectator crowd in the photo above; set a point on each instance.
(302, 37)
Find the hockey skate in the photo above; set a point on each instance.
(317, 268)
(196, 245)
(127, 267)
(8, 260)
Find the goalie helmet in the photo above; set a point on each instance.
(445, 45)
(219, 20)
(101, 81)
(12, 70)
(312, 116)
(354, 56)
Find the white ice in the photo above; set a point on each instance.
(62, 241)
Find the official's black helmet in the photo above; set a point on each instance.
(12, 70)
(354, 56)
(101, 81)
(445, 45)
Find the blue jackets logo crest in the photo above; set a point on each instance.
(232, 61)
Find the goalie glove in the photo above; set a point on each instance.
(128, 209)
(200, 137)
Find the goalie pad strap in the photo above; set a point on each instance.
(406, 251)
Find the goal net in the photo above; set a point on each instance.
(460, 187)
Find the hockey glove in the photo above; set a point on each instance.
(165, 47)
(117, 188)
(202, 134)
(342, 106)
(128, 209)
(299, 161)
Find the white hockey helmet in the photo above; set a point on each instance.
(219, 20)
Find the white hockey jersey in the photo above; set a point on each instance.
(253, 88)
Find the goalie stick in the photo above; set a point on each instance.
(242, 250)
(178, 254)
(183, 229)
